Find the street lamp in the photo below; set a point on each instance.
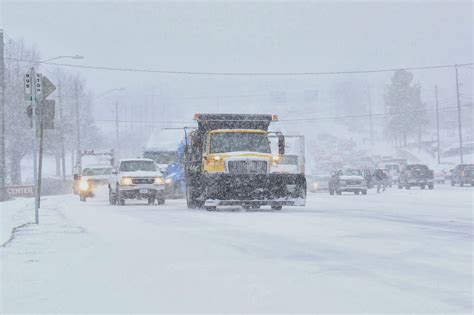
(60, 57)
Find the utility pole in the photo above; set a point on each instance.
(78, 128)
(3, 173)
(117, 153)
(459, 116)
(370, 116)
(437, 122)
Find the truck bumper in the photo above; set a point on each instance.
(257, 189)
(134, 192)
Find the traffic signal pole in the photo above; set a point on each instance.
(35, 141)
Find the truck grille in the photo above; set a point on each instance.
(353, 182)
(138, 181)
(247, 167)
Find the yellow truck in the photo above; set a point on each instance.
(229, 161)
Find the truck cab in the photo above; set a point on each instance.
(229, 161)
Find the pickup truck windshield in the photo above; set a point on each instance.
(133, 166)
(239, 142)
(351, 172)
(96, 171)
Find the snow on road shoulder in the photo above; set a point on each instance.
(14, 213)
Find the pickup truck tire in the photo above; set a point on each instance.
(407, 186)
(422, 186)
(430, 187)
(151, 201)
(356, 192)
(211, 208)
(276, 207)
(82, 198)
(338, 192)
(120, 200)
(331, 191)
(161, 201)
(364, 192)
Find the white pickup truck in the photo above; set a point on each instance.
(136, 179)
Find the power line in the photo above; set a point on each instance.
(240, 73)
(444, 109)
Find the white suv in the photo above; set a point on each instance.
(136, 179)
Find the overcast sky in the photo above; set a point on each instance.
(241, 37)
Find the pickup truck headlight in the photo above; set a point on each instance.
(83, 185)
(276, 158)
(159, 180)
(126, 181)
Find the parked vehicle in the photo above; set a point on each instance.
(440, 176)
(318, 182)
(463, 174)
(348, 180)
(416, 175)
(229, 161)
(393, 166)
(136, 179)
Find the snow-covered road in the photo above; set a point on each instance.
(400, 251)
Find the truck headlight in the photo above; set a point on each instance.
(276, 158)
(168, 181)
(84, 185)
(126, 181)
(217, 158)
(159, 180)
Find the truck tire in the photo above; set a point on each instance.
(331, 191)
(161, 201)
(364, 192)
(430, 187)
(407, 186)
(191, 198)
(211, 208)
(338, 192)
(151, 201)
(356, 192)
(276, 207)
(120, 200)
(82, 197)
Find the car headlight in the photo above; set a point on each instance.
(84, 185)
(168, 181)
(126, 181)
(276, 158)
(159, 180)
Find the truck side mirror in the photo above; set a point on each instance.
(281, 144)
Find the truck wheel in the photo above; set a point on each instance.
(356, 192)
(151, 201)
(422, 186)
(407, 187)
(121, 202)
(331, 191)
(211, 208)
(82, 198)
(338, 192)
(430, 187)
(191, 198)
(276, 207)
(364, 192)
(161, 201)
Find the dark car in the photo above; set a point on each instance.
(350, 180)
(463, 174)
(416, 175)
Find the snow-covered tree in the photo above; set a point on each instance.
(407, 115)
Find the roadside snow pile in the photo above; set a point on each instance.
(15, 213)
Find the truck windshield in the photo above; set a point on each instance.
(351, 172)
(133, 166)
(239, 142)
(96, 171)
